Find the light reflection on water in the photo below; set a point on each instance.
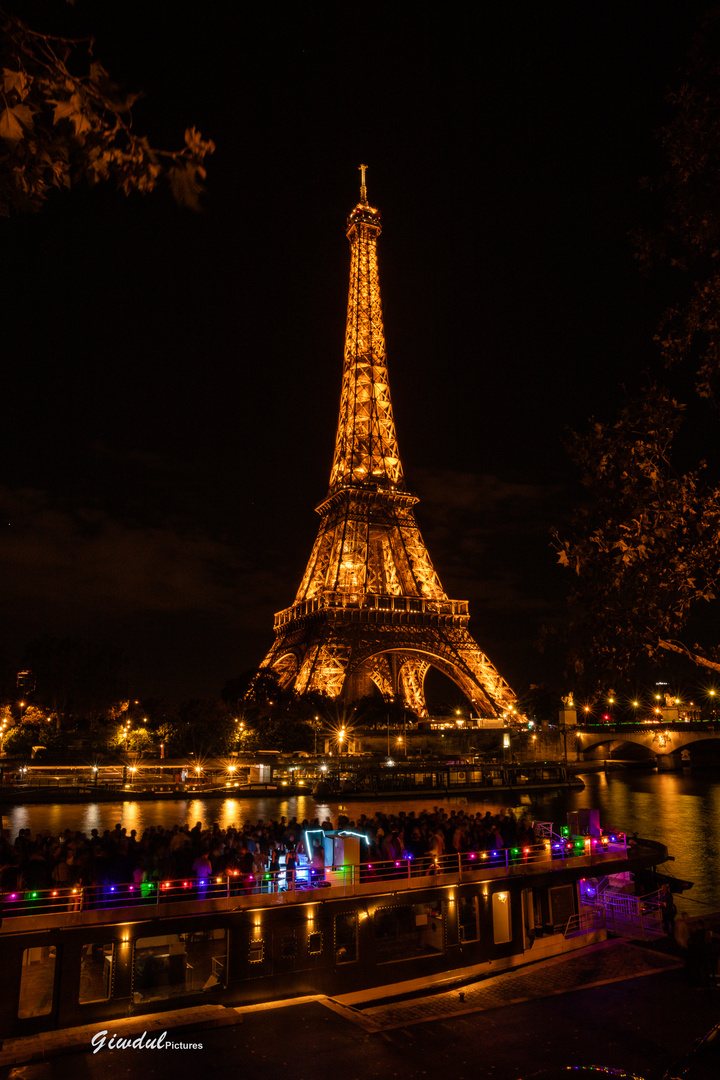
(681, 810)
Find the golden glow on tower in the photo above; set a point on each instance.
(370, 608)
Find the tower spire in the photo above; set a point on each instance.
(366, 445)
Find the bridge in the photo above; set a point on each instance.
(670, 745)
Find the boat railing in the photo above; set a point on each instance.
(584, 922)
(232, 889)
(627, 914)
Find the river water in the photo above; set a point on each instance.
(681, 810)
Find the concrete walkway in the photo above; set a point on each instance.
(606, 962)
(609, 961)
(71, 1040)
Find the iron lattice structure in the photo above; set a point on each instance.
(370, 608)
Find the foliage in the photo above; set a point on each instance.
(541, 703)
(686, 242)
(375, 712)
(200, 727)
(645, 548)
(34, 727)
(63, 118)
(273, 717)
(138, 741)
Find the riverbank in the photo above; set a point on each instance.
(360, 779)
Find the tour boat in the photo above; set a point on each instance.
(355, 929)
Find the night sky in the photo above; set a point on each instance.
(171, 381)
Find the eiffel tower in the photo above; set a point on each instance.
(370, 608)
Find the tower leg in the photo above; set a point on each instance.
(412, 680)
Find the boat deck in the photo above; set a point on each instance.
(101, 904)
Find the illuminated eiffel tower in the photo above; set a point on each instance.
(370, 608)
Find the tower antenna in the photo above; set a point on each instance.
(363, 189)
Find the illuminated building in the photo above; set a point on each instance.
(370, 608)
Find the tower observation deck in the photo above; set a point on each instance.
(370, 608)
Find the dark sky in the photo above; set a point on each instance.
(171, 381)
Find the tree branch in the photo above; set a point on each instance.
(702, 661)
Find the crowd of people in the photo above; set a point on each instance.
(117, 856)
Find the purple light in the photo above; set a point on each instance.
(473, 855)
(112, 888)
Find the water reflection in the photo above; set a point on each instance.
(679, 809)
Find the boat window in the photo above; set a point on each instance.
(288, 946)
(408, 930)
(256, 951)
(37, 981)
(468, 923)
(346, 937)
(176, 964)
(502, 922)
(96, 971)
(315, 943)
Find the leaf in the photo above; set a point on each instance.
(14, 80)
(65, 109)
(10, 127)
(185, 186)
(24, 114)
